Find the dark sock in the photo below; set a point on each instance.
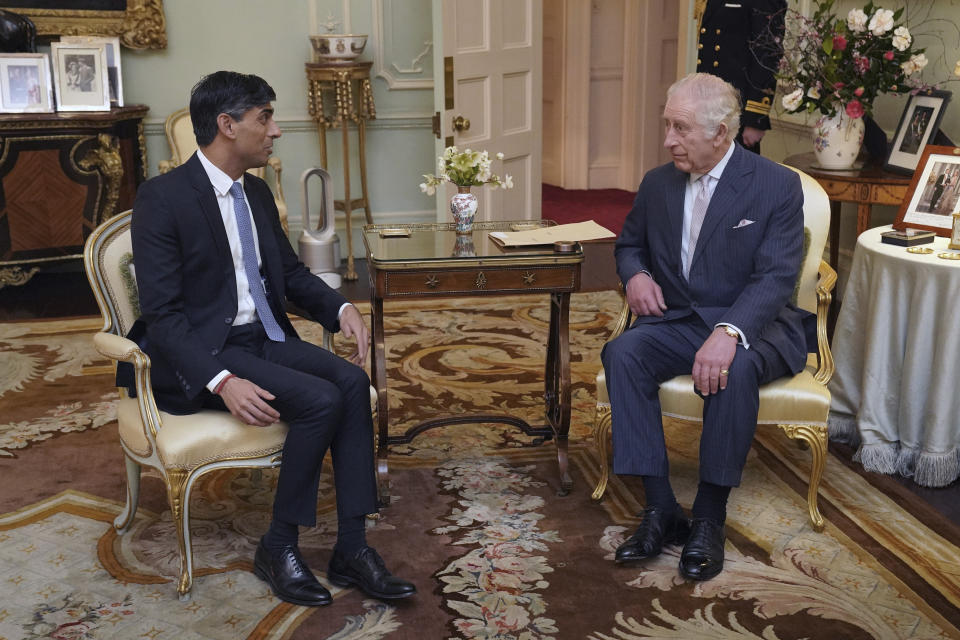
(281, 534)
(659, 492)
(711, 502)
(351, 535)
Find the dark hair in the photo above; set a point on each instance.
(226, 92)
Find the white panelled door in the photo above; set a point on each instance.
(488, 64)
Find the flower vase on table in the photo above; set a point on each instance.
(837, 140)
(463, 207)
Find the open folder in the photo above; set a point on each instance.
(575, 232)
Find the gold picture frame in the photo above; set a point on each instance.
(140, 24)
(955, 233)
(934, 192)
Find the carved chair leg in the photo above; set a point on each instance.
(178, 492)
(601, 433)
(123, 521)
(816, 437)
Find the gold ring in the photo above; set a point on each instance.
(724, 372)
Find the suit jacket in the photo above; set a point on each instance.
(745, 266)
(737, 44)
(187, 283)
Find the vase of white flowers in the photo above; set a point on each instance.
(465, 169)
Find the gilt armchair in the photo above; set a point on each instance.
(798, 405)
(181, 448)
(179, 130)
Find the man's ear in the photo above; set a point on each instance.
(226, 125)
(721, 134)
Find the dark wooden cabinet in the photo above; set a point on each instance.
(62, 174)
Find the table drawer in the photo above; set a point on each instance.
(479, 281)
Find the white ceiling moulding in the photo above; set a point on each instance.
(409, 69)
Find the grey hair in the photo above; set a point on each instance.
(717, 102)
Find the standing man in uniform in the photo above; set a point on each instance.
(729, 47)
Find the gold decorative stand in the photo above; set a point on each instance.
(349, 82)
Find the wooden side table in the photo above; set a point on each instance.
(349, 83)
(864, 187)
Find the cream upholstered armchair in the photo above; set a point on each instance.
(180, 448)
(798, 405)
(179, 129)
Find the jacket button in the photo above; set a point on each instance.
(716, 64)
(228, 320)
(213, 352)
(716, 48)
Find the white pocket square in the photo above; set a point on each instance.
(744, 223)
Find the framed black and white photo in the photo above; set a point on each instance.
(934, 194)
(919, 124)
(114, 78)
(25, 85)
(80, 76)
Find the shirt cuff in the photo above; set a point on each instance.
(743, 338)
(216, 380)
(342, 307)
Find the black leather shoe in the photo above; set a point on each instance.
(367, 571)
(657, 528)
(289, 577)
(702, 556)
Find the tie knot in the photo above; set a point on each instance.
(236, 190)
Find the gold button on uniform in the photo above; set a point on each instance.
(716, 48)
(703, 30)
(716, 64)
(699, 46)
(699, 61)
(718, 31)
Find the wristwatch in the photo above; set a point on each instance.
(730, 331)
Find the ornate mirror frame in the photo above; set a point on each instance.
(140, 25)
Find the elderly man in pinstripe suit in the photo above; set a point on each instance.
(709, 256)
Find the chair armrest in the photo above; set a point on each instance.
(623, 319)
(126, 350)
(116, 347)
(825, 285)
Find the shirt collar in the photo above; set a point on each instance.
(221, 181)
(718, 168)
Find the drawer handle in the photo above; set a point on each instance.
(481, 280)
(432, 281)
(529, 277)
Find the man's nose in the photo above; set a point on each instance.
(274, 131)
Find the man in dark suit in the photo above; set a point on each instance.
(741, 43)
(709, 255)
(213, 268)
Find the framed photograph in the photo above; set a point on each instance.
(80, 76)
(114, 79)
(25, 85)
(934, 194)
(919, 123)
(955, 234)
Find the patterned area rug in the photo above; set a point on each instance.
(475, 520)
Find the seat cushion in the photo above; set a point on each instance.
(797, 400)
(186, 442)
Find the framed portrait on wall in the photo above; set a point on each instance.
(919, 123)
(114, 79)
(80, 76)
(25, 85)
(934, 194)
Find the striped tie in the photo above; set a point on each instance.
(254, 283)
(700, 204)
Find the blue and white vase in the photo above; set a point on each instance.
(463, 207)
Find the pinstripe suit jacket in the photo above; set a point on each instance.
(747, 259)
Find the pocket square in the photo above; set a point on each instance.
(744, 223)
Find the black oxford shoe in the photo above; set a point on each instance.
(289, 577)
(367, 571)
(702, 556)
(657, 528)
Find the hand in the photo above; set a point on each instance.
(752, 136)
(351, 322)
(645, 296)
(715, 355)
(248, 402)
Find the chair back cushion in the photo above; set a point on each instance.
(108, 258)
(816, 220)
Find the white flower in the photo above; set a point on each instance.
(902, 38)
(881, 22)
(499, 155)
(813, 92)
(427, 189)
(793, 99)
(914, 64)
(508, 182)
(857, 20)
(956, 69)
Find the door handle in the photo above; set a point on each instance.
(461, 124)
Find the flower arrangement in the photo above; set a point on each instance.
(464, 169)
(834, 63)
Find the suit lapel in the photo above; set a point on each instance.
(725, 195)
(208, 205)
(674, 203)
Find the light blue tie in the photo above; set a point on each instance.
(254, 283)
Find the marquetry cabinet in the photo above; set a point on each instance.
(61, 175)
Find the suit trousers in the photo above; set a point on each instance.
(325, 400)
(646, 355)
